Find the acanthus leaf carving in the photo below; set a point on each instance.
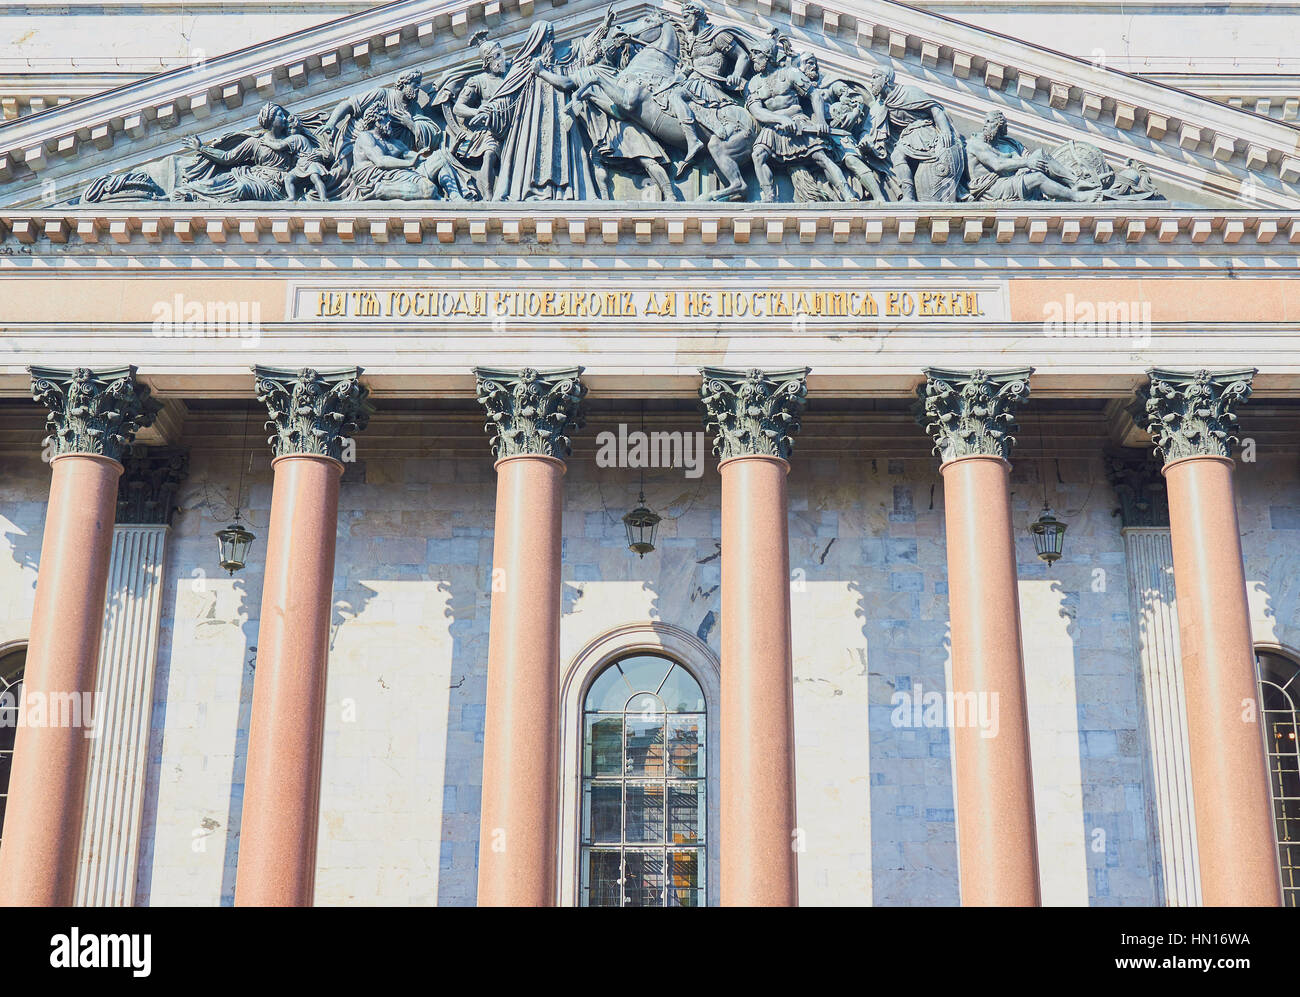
(753, 412)
(151, 477)
(1192, 413)
(531, 412)
(312, 412)
(92, 411)
(971, 412)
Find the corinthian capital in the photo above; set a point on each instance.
(312, 412)
(970, 412)
(92, 411)
(531, 411)
(753, 412)
(1190, 414)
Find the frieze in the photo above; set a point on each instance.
(670, 102)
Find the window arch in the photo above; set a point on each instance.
(644, 786)
(13, 660)
(1279, 694)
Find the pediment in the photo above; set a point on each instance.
(1190, 150)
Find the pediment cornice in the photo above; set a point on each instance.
(1190, 143)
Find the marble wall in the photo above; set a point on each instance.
(403, 742)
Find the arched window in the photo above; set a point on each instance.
(1279, 693)
(11, 692)
(643, 786)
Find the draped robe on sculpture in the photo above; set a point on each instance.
(540, 159)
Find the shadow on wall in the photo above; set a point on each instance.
(913, 823)
(24, 496)
(217, 612)
(1084, 688)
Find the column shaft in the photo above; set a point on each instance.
(1234, 826)
(758, 861)
(521, 742)
(38, 856)
(277, 848)
(996, 837)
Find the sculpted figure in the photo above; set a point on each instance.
(248, 167)
(615, 141)
(638, 94)
(790, 134)
(541, 160)
(999, 169)
(402, 102)
(134, 185)
(386, 168)
(926, 157)
(718, 65)
(477, 122)
(859, 127)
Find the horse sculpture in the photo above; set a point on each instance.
(634, 94)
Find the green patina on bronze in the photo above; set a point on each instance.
(92, 411)
(312, 412)
(1191, 413)
(971, 412)
(531, 411)
(753, 412)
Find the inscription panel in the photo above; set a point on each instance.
(743, 303)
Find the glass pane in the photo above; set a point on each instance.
(608, 693)
(603, 748)
(684, 884)
(645, 812)
(645, 746)
(681, 693)
(645, 672)
(644, 885)
(685, 812)
(602, 817)
(685, 747)
(600, 879)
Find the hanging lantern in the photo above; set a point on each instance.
(642, 524)
(234, 542)
(1049, 535)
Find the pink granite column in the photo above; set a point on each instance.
(754, 416)
(1192, 423)
(313, 413)
(93, 417)
(530, 415)
(968, 413)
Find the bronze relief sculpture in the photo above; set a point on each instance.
(671, 100)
